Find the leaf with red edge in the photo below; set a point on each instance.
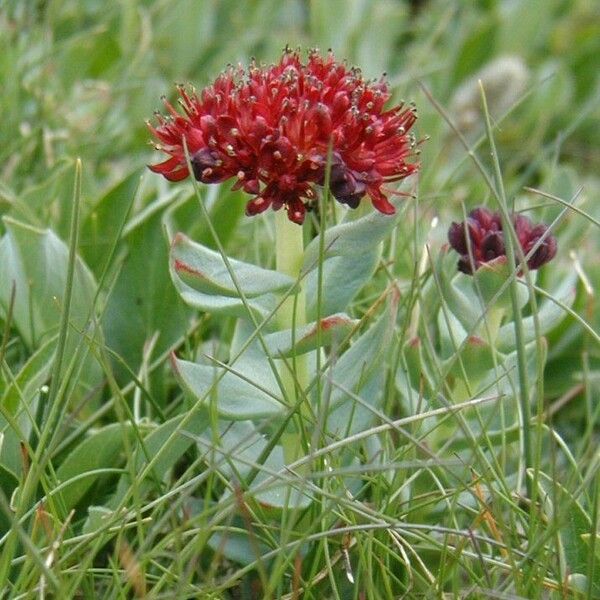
(205, 271)
(477, 358)
(303, 339)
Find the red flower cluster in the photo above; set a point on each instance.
(486, 240)
(271, 129)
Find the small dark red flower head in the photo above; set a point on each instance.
(480, 240)
(271, 128)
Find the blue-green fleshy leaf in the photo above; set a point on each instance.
(238, 450)
(359, 372)
(226, 306)
(246, 390)
(352, 252)
(343, 278)
(550, 314)
(352, 238)
(205, 271)
(203, 281)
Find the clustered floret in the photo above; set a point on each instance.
(272, 128)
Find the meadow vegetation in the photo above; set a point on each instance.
(161, 438)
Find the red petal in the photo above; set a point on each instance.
(257, 205)
(177, 175)
(380, 202)
(296, 211)
(167, 166)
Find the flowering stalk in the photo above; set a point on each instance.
(286, 134)
(484, 249)
(486, 255)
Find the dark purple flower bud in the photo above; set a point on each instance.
(522, 227)
(348, 190)
(206, 166)
(458, 238)
(486, 219)
(492, 246)
(546, 250)
(344, 184)
(485, 241)
(353, 200)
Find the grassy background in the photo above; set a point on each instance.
(78, 80)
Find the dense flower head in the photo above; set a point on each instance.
(480, 240)
(271, 129)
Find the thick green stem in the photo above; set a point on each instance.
(491, 324)
(289, 254)
(292, 314)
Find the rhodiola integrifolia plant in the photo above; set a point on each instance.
(475, 324)
(290, 135)
(293, 136)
